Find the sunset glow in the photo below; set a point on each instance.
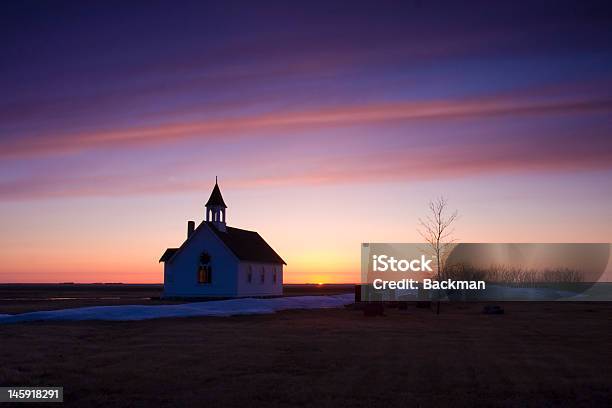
(322, 139)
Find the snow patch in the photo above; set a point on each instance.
(231, 307)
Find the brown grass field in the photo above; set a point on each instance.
(537, 354)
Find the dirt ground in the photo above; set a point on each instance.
(537, 354)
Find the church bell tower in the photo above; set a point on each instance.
(215, 208)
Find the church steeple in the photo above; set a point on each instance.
(215, 208)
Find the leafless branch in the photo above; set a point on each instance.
(437, 230)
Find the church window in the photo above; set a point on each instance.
(263, 275)
(204, 268)
(204, 274)
(250, 274)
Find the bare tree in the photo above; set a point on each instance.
(437, 230)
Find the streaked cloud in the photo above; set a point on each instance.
(527, 153)
(280, 122)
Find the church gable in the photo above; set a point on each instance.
(193, 239)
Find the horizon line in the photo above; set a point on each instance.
(153, 283)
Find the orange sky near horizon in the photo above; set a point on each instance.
(120, 239)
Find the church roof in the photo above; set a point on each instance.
(168, 253)
(216, 199)
(245, 245)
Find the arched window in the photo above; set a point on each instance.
(204, 269)
(263, 275)
(250, 274)
(204, 274)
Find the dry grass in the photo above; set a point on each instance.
(548, 354)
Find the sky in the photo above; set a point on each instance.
(328, 124)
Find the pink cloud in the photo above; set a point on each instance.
(283, 122)
(401, 164)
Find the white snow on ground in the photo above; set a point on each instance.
(212, 308)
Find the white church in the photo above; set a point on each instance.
(220, 261)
